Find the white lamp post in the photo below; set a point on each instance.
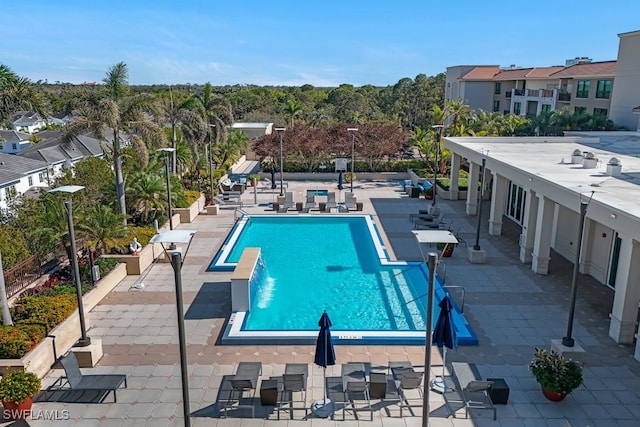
(353, 152)
(171, 237)
(211, 163)
(70, 189)
(168, 152)
(280, 132)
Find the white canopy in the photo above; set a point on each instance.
(173, 236)
(435, 236)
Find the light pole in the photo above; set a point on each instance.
(211, 163)
(476, 247)
(438, 129)
(168, 152)
(353, 152)
(280, 132)
(568, 340)
(179, 236)
(70, 189)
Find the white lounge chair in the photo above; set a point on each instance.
(331, 201)
(310, 203)
(350, 202)
(288, 202)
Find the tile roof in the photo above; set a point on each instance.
(606, 68)
(482, 73)
(13, 167)
(544, 71)
(516, 74)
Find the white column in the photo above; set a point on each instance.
(498, 198)
(472, 192)
(624, 314)
(528, 234)
(454, 188)
(542, 240)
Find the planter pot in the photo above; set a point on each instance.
(17, 411)
(448, 251)
(554, 396)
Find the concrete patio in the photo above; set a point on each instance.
(510, 308)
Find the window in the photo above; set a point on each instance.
(1, 146)
(11, 191)
(517, 107)
(603, 90)
(498, 89)
(580, 110)
(14, 146)
(546, 108)
(583, 89)
(600, 112)
(496, 106)
(30, 180)
(41, 177)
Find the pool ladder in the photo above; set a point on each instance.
(239, 213)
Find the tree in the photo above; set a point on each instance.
(145, 190)
(114, 112)
(102, 225)
(18, 93)
(292, 108)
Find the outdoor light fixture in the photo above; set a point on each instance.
(280, 132)
(476, 247)
(70, 189)
(568, 340)
(438, 129)
(166, 171)
(353, 152)
(211, 163)
(171, 237)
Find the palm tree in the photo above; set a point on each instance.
(103, 225)
(227, 152)
(145, 190)
(116, 112)
(293, 108)
(18, 93)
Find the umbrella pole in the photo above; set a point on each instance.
(324, 381)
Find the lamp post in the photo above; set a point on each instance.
(432, 264)
(169, 152)
(179, 236)
(280, 132)
(211, 163)
(353, 152)
(568, 340)
(438, 129)
(70, 189)
(476, 247)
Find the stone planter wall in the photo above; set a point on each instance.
(135, 265)
(333, 176)
(187, 215)
(62, 337)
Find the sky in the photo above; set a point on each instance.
(294, 42)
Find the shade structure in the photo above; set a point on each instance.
(340, 186)
(444, 336)
(273, 179)
(325, 356)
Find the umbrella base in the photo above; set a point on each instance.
(323, 408)
(442, 385)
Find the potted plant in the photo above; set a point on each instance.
(254, 178)
(427, 192)
(446, 248)
(17, 389)
(349, 177)
(557, 375)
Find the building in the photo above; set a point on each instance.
(609, 88)
(12, 141)
(19, 175)
(539, 184)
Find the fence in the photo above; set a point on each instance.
(22, 275)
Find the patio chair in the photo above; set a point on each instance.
(294, 382)
(288, 202)
(75, 380)
(355, 388)
(349, 201)
(310, 203)
(243, 387)
(409, 383)
(331, 201)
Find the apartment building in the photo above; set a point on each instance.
(580, 85)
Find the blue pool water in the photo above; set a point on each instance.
(333, 263)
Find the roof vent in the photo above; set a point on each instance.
(590, 160)
(576, 157)
(614, 167)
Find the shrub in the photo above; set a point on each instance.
(106, 265)
(49, 310)
(555, 372)
(14, 342)
(143, 234)
(18, 386)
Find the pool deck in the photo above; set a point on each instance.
(510, 308)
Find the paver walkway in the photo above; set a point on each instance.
(510, 308)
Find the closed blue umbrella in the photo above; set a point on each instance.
(325, 356)
(273, 179)
(340, 180)
(444, 336)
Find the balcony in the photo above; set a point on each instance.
(518, 92)
(564, 96)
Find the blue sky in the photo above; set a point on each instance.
(322, 43)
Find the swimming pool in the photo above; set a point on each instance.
(336, 263)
